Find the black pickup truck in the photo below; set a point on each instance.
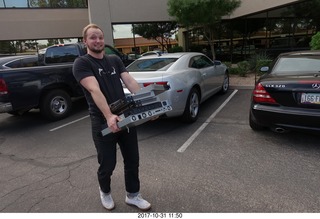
(48, 85)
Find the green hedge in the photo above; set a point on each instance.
(254, 64)
(315, 41)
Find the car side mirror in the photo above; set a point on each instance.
(217, 62)
(264, 69)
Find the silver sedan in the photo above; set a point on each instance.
(191, 78)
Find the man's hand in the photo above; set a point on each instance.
(112, 123)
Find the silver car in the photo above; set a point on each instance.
(191, 77)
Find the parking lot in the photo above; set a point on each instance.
(215, 165)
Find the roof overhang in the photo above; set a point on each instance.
(259, 8)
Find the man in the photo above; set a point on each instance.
(99, 76)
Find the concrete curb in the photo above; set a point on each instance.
(242, 87)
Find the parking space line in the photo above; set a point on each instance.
(69, 123)
(204, 125)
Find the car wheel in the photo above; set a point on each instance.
(255, 126)
(192, 108)
(55, 105)
(225, 85)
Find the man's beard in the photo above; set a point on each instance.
(94, 50)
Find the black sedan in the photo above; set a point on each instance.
(287, 95)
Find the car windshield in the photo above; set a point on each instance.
(156, 64)
(297, 65)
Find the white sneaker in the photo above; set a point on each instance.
(139, 202)
(106, 200)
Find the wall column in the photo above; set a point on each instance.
(99, 13)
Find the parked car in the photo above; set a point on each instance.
(45, 83)
(155, 52)
(191, 77)
(133, 56)
(287, 96)
(18, 61)
(109, 50)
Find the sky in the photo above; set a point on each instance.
(122, 31)
(16, 3)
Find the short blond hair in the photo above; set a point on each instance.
(86, 28)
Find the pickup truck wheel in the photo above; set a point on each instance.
(56, 105)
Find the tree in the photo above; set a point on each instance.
(7, 47)
(202, 13)
(57, 41)
(161, 32)
(315, 41)
(310, 10)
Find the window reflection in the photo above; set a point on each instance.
(16, 3)
(43, 4)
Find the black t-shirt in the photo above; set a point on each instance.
(107, 72)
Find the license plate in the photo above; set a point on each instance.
(310, 98)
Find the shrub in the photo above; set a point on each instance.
(261, 63)
(252, 65)
(243, 67)
(258, 61)
(175, 49)
(240, 68)
(234, 71)
(228, 64)
(315, 41)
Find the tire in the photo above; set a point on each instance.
(225, 85)
(255, 126)
(191, 111)
(55, 105)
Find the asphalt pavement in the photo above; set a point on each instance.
(224, 168)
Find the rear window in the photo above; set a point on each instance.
(156, 64)
(200, 62)
(23, 62)
(297, 65)
(61, 54)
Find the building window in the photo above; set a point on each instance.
(43, 3)
(14, 4)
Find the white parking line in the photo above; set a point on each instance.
(204, 125)
(69, 123)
